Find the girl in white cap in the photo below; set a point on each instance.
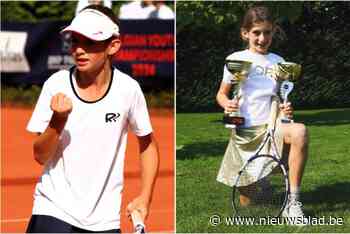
(82, 118)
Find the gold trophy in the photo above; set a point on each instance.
(239, 70)
(285, 72)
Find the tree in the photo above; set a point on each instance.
(192, 14)
(317, 35)
(33, 11)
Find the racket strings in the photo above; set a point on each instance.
(262, 198)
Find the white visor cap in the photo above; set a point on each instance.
(94, 25)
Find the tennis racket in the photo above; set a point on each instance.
(139, 226)
(261, 188)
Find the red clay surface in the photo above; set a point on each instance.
(19, 172)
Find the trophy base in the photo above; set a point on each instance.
(233, 121)
(230, 126)
(285, 120)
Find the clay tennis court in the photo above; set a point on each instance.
(19, 172)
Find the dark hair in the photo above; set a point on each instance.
(256, 15)
(104, 10)
(259, 14)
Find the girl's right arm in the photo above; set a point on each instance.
(45, 145)
(223, 100)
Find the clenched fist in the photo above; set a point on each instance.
(61, 105)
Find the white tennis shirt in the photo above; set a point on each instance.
(82, 184)
(256, 91)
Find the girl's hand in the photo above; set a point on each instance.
(140, 204)
(231, 105)
(287, 110)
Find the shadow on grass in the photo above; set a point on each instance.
(334, 196)
(325, 117)
(202, 149)
(217, 121)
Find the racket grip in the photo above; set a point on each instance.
(139, 226)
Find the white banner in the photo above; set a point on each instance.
(12, 45)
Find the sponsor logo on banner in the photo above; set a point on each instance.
(57, 62)
(63, 60)
(12, 45)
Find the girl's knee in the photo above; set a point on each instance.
(300, 134)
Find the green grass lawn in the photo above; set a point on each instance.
(201, 140)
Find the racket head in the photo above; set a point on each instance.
(267, 195)
(286, 88)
